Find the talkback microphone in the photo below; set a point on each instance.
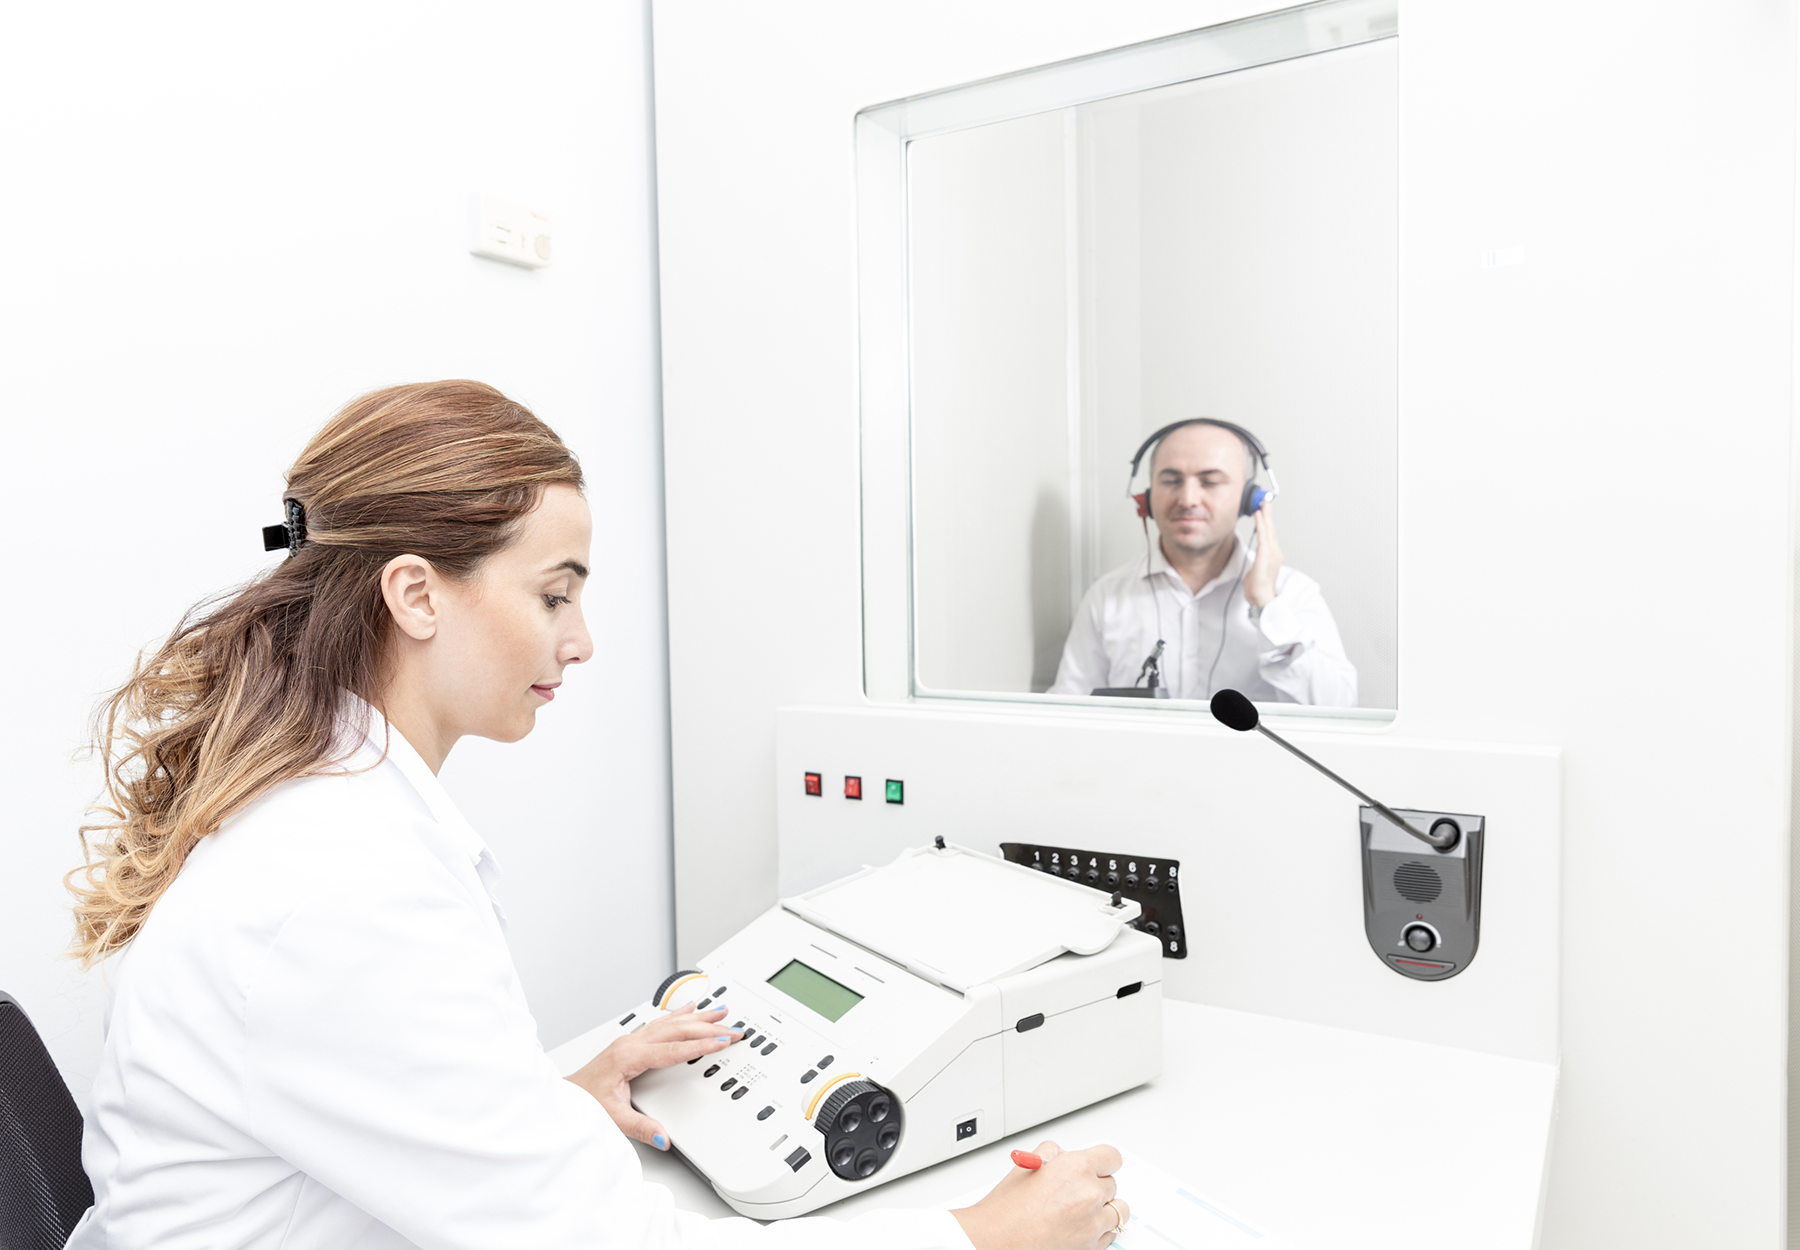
(1152, 669)
(1234, 711)
(1421, 908)
(1153, 666)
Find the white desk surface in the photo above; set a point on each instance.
(1321, 1136)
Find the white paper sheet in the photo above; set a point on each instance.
(1170, 1214)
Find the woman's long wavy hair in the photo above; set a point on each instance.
(248, 691)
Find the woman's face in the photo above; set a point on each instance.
(509, 632)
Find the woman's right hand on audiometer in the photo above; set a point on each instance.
(681, 1035)
(1070, 1203)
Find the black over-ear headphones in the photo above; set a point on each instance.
(1253, 497)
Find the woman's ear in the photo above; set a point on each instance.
(413, 594)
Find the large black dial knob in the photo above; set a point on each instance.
(862, 1125)
(1419, 938)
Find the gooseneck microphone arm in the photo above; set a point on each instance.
(1234, 711)
(1442, 843)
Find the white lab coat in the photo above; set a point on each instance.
(318, 1042)
(1288, 653)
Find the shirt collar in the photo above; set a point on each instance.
(380, 739)
(1234, 567)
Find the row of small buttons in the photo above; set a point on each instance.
(1094, 876)
(713, 1070)
(757, 1040)
(817, 1068)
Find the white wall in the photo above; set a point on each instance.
(222, 222)
(1564, 578)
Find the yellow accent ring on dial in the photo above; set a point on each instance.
(825, 1089)
(669, 996)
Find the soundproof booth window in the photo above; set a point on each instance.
(1150, 372)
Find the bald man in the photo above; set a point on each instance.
(1229, 616)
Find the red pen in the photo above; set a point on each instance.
(1027, 1160)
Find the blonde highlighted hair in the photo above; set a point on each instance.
(248, 690)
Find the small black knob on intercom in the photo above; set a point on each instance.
(1419, 938)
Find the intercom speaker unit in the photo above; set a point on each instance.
(1422, 903)
(1421, 869)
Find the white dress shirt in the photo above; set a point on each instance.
(318, 1042)
(1290, 652)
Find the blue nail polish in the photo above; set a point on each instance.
(723, 1037)
(659, 1141)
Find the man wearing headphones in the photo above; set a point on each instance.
(1200, 611)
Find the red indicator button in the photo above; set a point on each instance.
(1422, 967)
(815, 784)
(853, 787)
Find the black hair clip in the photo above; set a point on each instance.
(290, 533)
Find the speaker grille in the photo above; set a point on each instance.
(1418, 883)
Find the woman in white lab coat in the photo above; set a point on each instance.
(317, 1037)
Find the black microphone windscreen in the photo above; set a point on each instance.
(1234, 711)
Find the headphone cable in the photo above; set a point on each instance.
(1225, 617)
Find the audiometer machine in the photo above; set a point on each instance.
(898, 1017)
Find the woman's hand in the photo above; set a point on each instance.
(681, 1035)
(1068, 1204)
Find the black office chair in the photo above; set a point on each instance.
(43, 1190)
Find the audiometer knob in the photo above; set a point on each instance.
(862, 1124)
(689, 985)
(1419, 938)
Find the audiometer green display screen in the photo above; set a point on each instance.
(811, 988)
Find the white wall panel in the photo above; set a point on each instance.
(1272, 886)
(1571, 429)
(224, 221)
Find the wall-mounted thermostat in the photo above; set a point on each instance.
(502, 230)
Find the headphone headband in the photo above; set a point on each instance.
(1250, 440)
(1248, 502)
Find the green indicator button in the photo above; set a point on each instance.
(896, 791)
